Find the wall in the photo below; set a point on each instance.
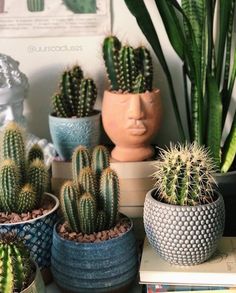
(43, 65)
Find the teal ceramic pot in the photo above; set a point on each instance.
(94, 267)
(37, 234)
(68, 133)
(227, 187)
(35, 5)
(183, 235)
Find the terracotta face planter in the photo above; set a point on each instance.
(131, 121)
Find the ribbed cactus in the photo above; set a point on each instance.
(15, 265)
(76, 95)
(128, 69)
(35, 5)
(98, 206)
(184, 175)
(21, 185)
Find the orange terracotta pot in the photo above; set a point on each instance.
(131, 121)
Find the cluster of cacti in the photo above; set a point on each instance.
(15, 264)
(76, 96)
(129, 70)
(35, 5)
(184, 175)
(78, 6)
(23, 180)
(89, 203)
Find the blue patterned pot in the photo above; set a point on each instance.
(37, 234)
(94, 267)
(68, 133)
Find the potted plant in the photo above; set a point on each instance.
(184, 214)
(73, 121)
(19, 273)
(131, 109)
(94, 248)
(25, 207)
(35, 5)
(209, 70)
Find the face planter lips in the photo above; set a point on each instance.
(136, 127)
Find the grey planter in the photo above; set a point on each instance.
(68, 133)
(94, 267)
(37, 285)
(183, 235)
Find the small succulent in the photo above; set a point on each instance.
(15, 264)
(89, 203)
(23, 180)
(129, 70)
(184, 175)
(76, 95)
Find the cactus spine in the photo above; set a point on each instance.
(35, 5)
(15, 265)
(76, 95)
(128, 69)
(99, 186)
(20, 181)
(184, 175)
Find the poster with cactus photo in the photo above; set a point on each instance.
(47, 18)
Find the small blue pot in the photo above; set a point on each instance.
(68, 133)
(37, 234)
(94, 267)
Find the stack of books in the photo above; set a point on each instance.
(216, 274)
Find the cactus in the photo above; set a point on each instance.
(76, 95)
(15, 265)
(184, 175)
(128, 69)
(18, 180)
(98, 206)
(78, 6)
(35, 5)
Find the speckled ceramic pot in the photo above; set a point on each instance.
(94, 267)
(68, 133)
(183, 235)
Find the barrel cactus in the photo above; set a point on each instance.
(23, 180)
(90, 201)
(184, 175)
(35, 5)
(76, 95)
(15, 265)
(129, 70)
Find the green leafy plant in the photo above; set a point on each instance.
(23, 180)
(76, 96)
(89, 203)
(209, 67)
(128, 69)
(184, 175)
(15, 264)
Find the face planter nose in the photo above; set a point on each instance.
(135, 108)
(9, 114)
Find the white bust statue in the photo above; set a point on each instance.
(13, 90)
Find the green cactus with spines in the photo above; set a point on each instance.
(35, 152)
(15, 264)
(80, 158)
(35, 5)
(100, 160)
(184, 175)
(69, 199)
(87, 181)
(16, 174)
(111, 47)
(76, 95)
(101, 220)
(87, 213)
(26, 201)
(109, 195)
(124, 65)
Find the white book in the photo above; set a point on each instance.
(219, 270)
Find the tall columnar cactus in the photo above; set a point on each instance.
(21, 185)
(35, 5)
(97, 188)
(128, 69)
(15, 265)
(76, 95)
(184, 175)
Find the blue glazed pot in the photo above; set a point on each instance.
(68, 133)
(94, 267)
(37, 234)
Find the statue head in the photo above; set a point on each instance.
(13, 90)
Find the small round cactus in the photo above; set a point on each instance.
(184, 175)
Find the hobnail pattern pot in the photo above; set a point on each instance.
(183, 235)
